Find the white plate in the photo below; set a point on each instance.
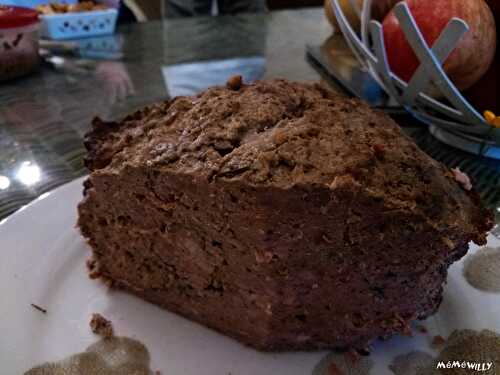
(42, 261)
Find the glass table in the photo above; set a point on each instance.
(43, 117)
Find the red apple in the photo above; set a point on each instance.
(471, 58)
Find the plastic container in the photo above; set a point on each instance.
(34, 3)
(18, 41)
(79, 24)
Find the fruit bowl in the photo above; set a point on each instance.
(452, 119)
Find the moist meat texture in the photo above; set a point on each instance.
(277, 213)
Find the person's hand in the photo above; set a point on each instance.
(117, 82)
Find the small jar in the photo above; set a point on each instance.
(18, 41)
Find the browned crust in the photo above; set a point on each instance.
(384, 170)
(101, 326)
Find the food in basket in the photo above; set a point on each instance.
(471, 58)
(84, 6)
(349, 12)
(278, 213)
(379, 9)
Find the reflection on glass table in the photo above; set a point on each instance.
(191, 62)
(97, 56)
(108, 47)
(335, 61)
(192, 78)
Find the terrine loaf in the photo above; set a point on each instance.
(278, 213)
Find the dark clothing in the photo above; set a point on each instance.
(125, 15)
(185, 8)
(239, 6)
